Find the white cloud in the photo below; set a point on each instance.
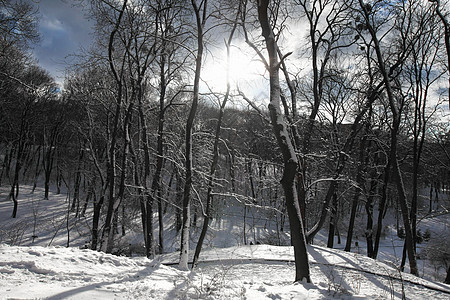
(52, 24)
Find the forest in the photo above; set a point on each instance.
(344, 120)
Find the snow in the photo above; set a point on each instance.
(72, 273)
(248, 272)
(44, 268)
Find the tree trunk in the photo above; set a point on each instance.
(333, 219)
(6, 166)
(14, 192)
(215, 155)
(285, 143)
(160, 223)
(96, 219)
(90, 193)
(447, 278)
(409, 242)
(184, 251)
(76, 188)
(156, 184)
(49, 157)
(178, 200)
(369, 224)
(112, 201)
(37, 170)
(381, 209)
(351, 224)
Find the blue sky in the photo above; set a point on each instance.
(64, 30)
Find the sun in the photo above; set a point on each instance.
(244, 69)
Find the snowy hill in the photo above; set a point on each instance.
(246, 272)
(42, 267)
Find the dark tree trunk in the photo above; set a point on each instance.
(6, 166)
(333, 219)
(369, 225)
(284, 141)
(160, 223)
(14, 192)
(21, 145)
(96, 219)
(112, 201)
(409, 241)
(90, 193)
(37, 170)
(179, 201)
(146, 201)
(431, 198)
(361, 170)
(76, 188)
(156, 183)
(49, 157)
(351, 224)
(447, 278)
(200, 18)
(381, 209)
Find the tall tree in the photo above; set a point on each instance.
(200, 14)
(369, 15)
(215, 150)
(280, 128)
(113, 203)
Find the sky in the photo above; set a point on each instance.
(64, 30)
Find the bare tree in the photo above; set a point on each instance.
(215, 150)
(443, 16)
(113, 203)
(291, 163)
(368, 13)
(201, 14)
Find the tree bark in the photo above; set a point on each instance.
(333, 223)
(447, 278)
(200, 21)
(112, 201)
(284, 141)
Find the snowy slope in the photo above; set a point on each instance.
(247, 272)
(43, 268)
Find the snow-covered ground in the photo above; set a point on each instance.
(43, 268)
(245, 272)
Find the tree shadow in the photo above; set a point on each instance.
(148, 271)
(327, 268)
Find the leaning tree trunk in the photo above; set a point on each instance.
(284, 141)
(396, 117)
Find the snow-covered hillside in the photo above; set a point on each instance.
(246, 272)
(43, 268)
